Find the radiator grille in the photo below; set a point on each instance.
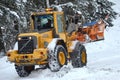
(25, 45)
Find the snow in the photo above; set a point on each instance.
(1, 13)
(69, 4)
(52, 44)
(73, 44)
(103, 61)
(59, 7)
(14, 13)
(116, 7)
(16, 46)
(24, 0)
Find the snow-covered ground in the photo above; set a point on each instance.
(103, 61)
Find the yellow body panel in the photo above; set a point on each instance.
(38, 57)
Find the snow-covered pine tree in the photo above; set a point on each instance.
(11, 11)
(92, 9)
(105, 10)
(6, 23)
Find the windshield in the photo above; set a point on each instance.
(43, 21)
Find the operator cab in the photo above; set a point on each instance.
(42, 22)
(52, 21)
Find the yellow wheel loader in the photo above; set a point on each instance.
(47, 44)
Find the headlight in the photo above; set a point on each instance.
(30, 37)
(19, 38)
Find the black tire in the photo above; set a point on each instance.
(57, 59)
(79, 57)
(24, 71)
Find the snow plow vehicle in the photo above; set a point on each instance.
(47, 44)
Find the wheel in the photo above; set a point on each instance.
(24, 71)
(83, 57)
(79, 57)
(58, 58)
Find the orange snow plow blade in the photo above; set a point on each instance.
(90, 33)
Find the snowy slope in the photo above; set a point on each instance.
(103, 61)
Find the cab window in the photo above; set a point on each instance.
(43, 21)
(60, 23)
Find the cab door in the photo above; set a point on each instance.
(61, 26)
